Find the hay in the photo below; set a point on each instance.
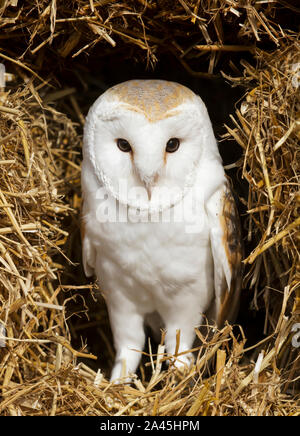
(41, 371)
(148, 29)
(267, 128)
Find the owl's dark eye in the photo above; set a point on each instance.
(172, 145)
(123, 145)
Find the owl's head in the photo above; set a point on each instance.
(145, 139)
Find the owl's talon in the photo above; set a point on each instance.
(183, 363)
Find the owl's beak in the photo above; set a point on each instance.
(149, 184)
(147, 179)
(149, 190)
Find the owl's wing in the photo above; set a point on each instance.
(88, 251)
(227, 252)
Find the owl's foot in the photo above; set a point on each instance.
(119, 375)
(121, 380)
(183, 362)
(124, 368)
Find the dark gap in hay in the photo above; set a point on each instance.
(220, 98)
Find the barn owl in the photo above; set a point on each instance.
(159, 223)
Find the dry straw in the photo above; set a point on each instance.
(40, 373)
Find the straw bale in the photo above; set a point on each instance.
(36, 172)
(266, 125)
(188, 28)
(254, 45)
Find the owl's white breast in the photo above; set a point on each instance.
(150, 262)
